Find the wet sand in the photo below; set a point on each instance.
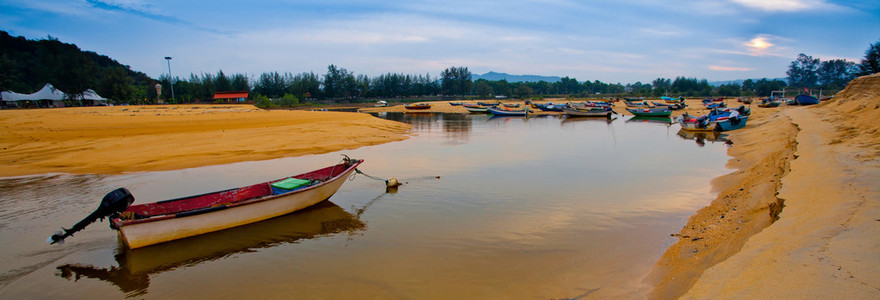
(798, 216)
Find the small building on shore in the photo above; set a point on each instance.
(230, 97)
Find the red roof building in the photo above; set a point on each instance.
(231, 96)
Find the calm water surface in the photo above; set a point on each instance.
(523, 209)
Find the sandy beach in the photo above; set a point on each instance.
(797, 217)
(118, 139)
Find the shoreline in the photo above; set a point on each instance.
(798, 216)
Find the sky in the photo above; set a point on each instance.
(614, 41)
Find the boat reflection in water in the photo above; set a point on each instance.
(132, 276)
(658, 120)
(571, 120)
(702, 136)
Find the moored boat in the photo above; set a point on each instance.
(637, 104)
(418, 106)
(731, 123)
(511, 105)
(475, 108)
(587, 112)
(650, 112)
(153, 223)
(503, 111)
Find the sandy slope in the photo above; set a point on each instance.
(149, 138)
(823, 163)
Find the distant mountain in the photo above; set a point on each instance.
(739, 81)
(494, 76)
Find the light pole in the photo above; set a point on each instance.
(170, 78)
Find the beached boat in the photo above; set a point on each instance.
(475, 108)
(503, 111)
(672, 106)
(153, 223)
(587, 112)
(696, 124)
(767, 102)
(511, 105)
(671, 100)
(631, 104)
(549, 107)
(418, 106)
(455, 103)
(650, 112)
(806, 100)
(731, 123)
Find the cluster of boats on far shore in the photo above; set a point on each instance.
(719, 118)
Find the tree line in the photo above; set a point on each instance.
(27, 65)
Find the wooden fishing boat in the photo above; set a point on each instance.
(631, 104)
(153, 223)
(503, 111)
(806, 100)
(418, 106)
(455, 103)
(673, 106)
(549, 107)
(511, 105)
(650, 112)
(696, 124)
(589, 112)
(731, 123)
(769, 103)
(672, 100)
(475, 108)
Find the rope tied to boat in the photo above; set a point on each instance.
(391, 182)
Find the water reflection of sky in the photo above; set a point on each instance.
(543, 206)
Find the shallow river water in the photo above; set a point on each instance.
(536, 208)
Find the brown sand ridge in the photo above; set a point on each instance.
(815, 169)
(109, 140)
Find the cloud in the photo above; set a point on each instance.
(785, 5)
(723, 68)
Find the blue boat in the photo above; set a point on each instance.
(806, 100)
(498, 111)
(731, 123)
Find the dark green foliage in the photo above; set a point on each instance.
(523, 92)
(836, 73)
(802, 71)
(871, 63)
(456, 81)
(29, 64)
(116, 85)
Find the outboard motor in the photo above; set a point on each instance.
(113, 203)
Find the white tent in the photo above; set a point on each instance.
(54, 96)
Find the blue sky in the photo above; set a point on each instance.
(613, 41)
